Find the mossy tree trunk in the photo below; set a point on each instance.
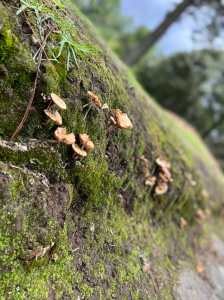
(89, 227)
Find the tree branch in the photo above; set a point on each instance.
(140, 50)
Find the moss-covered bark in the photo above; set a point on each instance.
(98, 221)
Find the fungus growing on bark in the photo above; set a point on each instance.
(59, 133)
(58, 101)
(150, 181)
(145, 166)
(146, 267)
(69, 139)
(86, 142)
(161, 188)
(164, 176)
(105, 106)
(201, 215)
(122, 120)
(62, 136)
(54, 116)
(78, 151)
(183, 223)
(94, 99)
(163, 163)
(200, 267)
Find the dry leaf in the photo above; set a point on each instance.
(200, 267)
(161, 188)
(59, 133)
(122, 120)
(183, 223)
(39, 252)
(58, 101)
(150, 181)
(94, 99)
(79, 151)
(54, 116)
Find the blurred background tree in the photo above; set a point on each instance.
(107, 17)
(192, 86)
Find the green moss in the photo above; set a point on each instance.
(40, 157)
(112, 221)
(22, 278)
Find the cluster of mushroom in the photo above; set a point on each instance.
(160, 181)
(81, 144)
(118, 118)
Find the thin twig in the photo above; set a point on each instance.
(29, 105)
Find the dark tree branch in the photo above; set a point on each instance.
(140, 50)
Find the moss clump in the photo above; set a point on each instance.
(25, 228)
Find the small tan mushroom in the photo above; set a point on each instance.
(163, 163)
(161, 188)
(146, 267)
(183, 223)
(150, 181)
(105, 106)
(59, 133)
(62, 136)
(69, 139)
(165, 175)
(122, 120)
(86, 142)
(54, 116)
(79, 151)
(94, 99)
(58, 101)
(201, 215)
(145, 166)
(200, 268)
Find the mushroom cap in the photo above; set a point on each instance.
(69, 139)
(105, 106)
(79, 151)
(161, 188)
(122, 119)
(200, 268)
(163, 163)
(54, 116)
(165, 175)
(150, 181)
(146, 267)
(86, 142)
(183, 223)
(58, 101)
(94, 99)
(59, 133)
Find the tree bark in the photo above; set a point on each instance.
(152, 38)
(93, 227)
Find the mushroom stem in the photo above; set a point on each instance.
(49, 105)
